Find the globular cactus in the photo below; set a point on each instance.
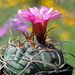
(29, 57)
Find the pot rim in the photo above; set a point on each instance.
(65, 68)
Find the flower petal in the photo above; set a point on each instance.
(47, 13)
(42, 9)
(34, 11)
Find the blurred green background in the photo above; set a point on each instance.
(66, 24)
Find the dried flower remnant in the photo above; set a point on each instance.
(39, 18)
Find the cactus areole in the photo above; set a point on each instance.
(29, 57)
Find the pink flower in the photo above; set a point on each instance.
(39, 18)
(3, 30)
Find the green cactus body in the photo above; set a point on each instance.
(30, 60)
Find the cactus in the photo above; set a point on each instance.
(29, 57)
(33, 55)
